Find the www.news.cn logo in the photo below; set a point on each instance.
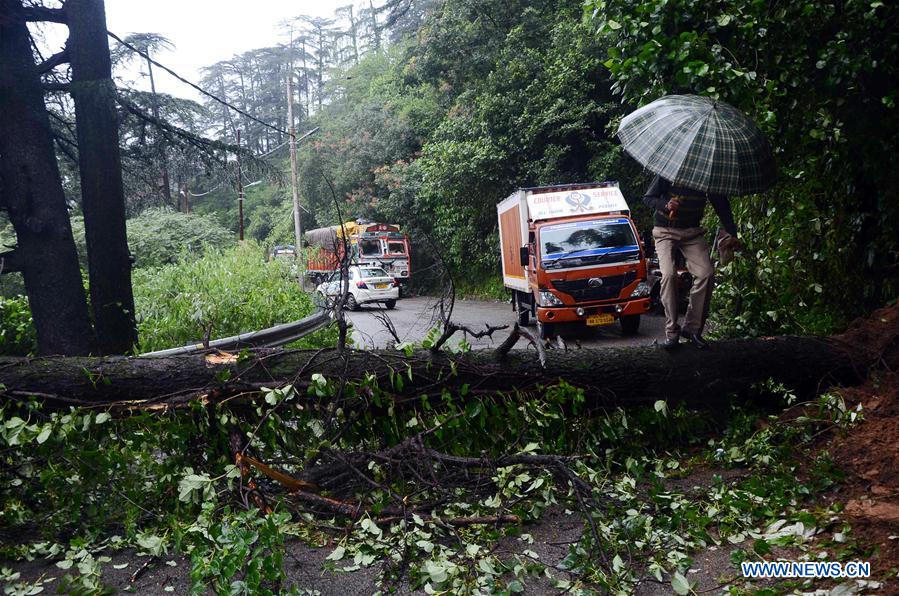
(806, 569)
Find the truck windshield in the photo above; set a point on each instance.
(396, 248)
(583, 243)
(370, 248)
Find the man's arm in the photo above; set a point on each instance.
(722, 208)
(654, 198)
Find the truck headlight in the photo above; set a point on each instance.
(547, 298)
(641, 291)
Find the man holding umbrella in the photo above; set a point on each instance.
(700, 150)
(677, 215)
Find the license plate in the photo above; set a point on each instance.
(380, 286)
(603, 319)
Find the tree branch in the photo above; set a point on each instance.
(518, 332)
(43, 13)
(55, 87)
(61, 57)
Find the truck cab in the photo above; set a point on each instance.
(571, 254)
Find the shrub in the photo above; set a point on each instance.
(17, 335)
(162, 236)
(228, 292)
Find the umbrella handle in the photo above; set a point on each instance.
(672, 211)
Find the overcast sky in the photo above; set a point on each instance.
(203, 31)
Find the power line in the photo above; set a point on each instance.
(195, 86)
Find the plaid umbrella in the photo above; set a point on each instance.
(699, 143)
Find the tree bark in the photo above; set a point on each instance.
(31, 192)
(100, 164)
(609, 377)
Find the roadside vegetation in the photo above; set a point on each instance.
(656, 488)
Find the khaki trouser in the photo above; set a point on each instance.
(691, 242)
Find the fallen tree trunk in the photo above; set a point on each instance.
(609, 377)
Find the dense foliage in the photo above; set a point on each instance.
(820, 78)
(221, 293)
(218, 295)
(17, 337)
(160, 236)
(661, 485)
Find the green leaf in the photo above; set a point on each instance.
(152, 543)
(761, 547)
(680, 584)
(661, 406)
(44, 434)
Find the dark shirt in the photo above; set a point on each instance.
(692, 206)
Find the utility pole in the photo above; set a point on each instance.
(292, 132)
(239, 190)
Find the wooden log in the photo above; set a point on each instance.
(609, 377)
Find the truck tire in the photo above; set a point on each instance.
(524, 315)
(390, 304)
(545, 330)
(630, 324)
(521, 307)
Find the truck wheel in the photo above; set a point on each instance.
(390, 304)
(545, 330)
(630, 324)
(524, 315)
(351, 303)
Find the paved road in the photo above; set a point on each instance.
(412, 318)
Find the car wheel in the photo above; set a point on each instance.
(390, 304)
(630, 324)
(351, 303)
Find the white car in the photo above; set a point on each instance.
(366, 285)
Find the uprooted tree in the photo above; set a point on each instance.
(609, 377)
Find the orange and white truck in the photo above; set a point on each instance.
(572, 254)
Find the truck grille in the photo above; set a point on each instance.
(580, 290)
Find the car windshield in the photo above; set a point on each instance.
(368, 272)
(582, 243)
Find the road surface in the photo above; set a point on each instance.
(413, 317)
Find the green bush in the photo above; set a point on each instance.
(17, 335)
(162, 236)
(485, 288)
(229, 292)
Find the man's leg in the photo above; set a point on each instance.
(666, 242)
(696, 252)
